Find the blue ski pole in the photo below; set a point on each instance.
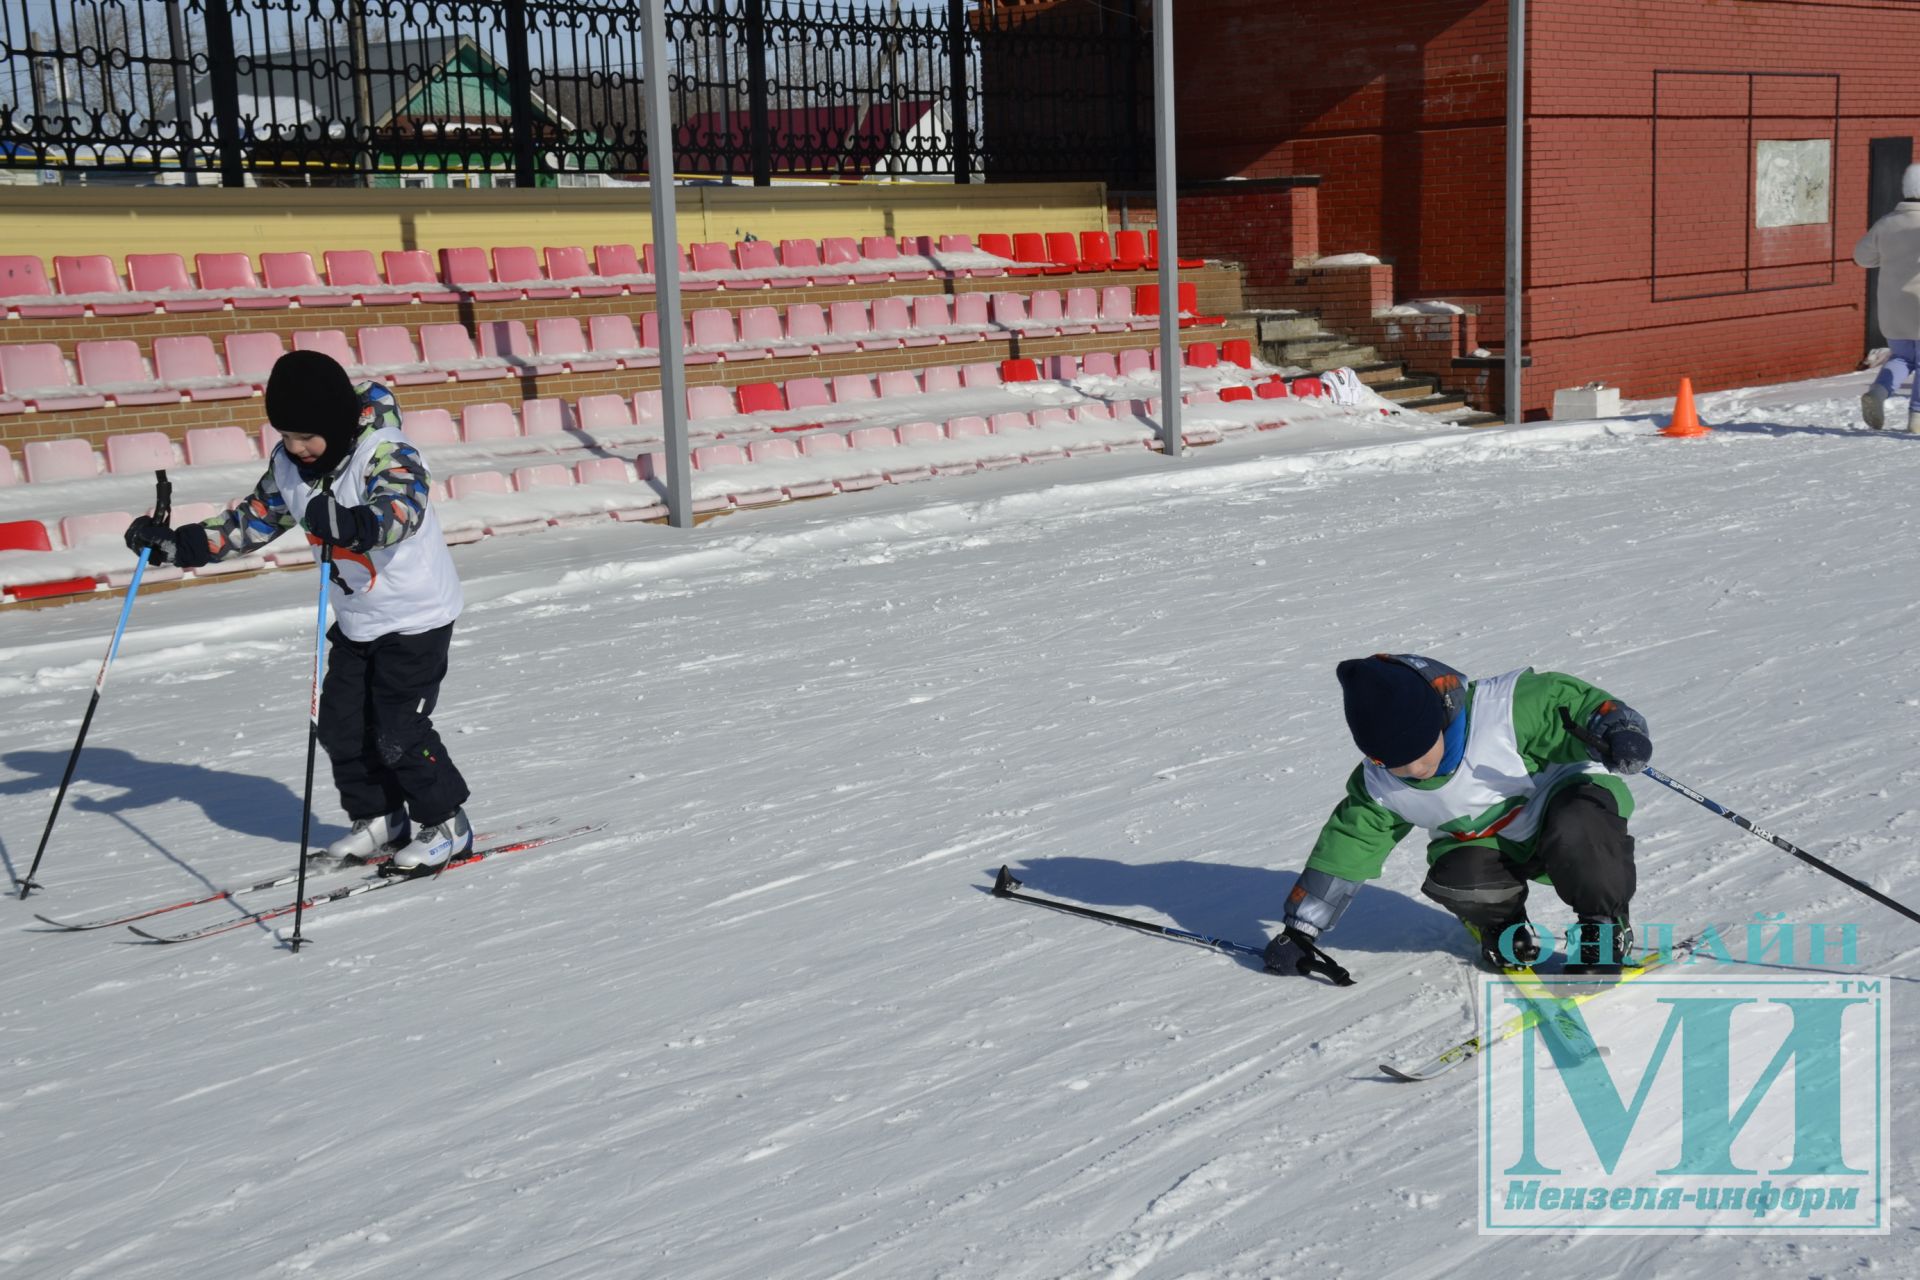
(163, 509)
(313, 739)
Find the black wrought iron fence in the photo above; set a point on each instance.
(341, 92)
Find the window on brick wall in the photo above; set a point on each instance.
(1792, 181)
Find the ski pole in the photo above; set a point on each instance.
(163, 509)
(313, 739)
(1745, 825)
(1004, 885)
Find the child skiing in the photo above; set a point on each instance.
(344, 473)
(1498, 773)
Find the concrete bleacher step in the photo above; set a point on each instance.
(1408, 388)
(1280, 326)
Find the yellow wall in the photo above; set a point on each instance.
(75, 220)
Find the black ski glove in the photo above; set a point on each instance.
(355, 528)
(1617, 737)
(1293, 951)
(151, 534)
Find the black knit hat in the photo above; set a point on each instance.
(308, 393)
(1395, 713)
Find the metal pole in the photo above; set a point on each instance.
(666, 265)
(182, 92)
(1166, 197)
(1516, 192)
(960, 126)
(364, 159)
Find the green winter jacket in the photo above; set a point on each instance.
(1360, 833)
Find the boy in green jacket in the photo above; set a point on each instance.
(1508, 793)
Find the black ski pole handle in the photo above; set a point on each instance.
(162, 498)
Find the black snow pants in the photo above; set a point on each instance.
(376, 705)
(1582, 844)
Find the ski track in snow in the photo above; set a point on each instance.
(770, 1024)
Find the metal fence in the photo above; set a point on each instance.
(522, 92)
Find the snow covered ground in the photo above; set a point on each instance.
(770, 1024)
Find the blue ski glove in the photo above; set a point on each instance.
(355, 528)
(1617, 737)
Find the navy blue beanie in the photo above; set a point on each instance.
(1395, 713)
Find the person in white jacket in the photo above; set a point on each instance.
(344, 474)
(1893, 245)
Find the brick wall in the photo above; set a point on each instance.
(1265, 227)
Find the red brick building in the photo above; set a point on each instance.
(1697, 170)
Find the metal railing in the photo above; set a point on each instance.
(345, 92)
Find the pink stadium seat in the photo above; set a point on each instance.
(1135, 361)
(561, 342)
(622, 261)
(713, 327)
(970, 315)
(805, 255)
(777, 451)
(980, 375)
(941, 378)
(760, 257)
(23, 277)
(50, 461)
(1010, 312)
(1052, 417)
(234, 271)
(919, 433)
(931, 313)
(762, 397)
(31, 535)
(115, 367)
(100, 526)
(649, 408)
(166, 273)
(1116, 310)
(808, 393)
(331, 342)
(714, 256)
(807, 322)
(882, 249)
(354, 269)
(519, 264)
(474, 484)
(140, 451)
(761, 325)
(1093, 413)
(252, 352)
(850, 320)
(964, 244)
(415, 269)
(190, 358)
(852, 388)
(450, 346)
(36, 374)
(648, 262)
(293, 273)
(89, 273)
(567, 264)
(8, 474)
(545, 417)
(428, 427)
(508, 340)
(384, 346)
(710, 402)
(1011, 420)
(614, 335)
(837, 251)
(466, 269)
(491, 421)
(597, 413)
(891, 319)
(872, 438)
(1083, 311)
(603, 471)
(1048, 315)
(1061, 368)
(215, 446)
(1100, 364)
(899, 382)
(269, 438)
(650, 338)
(709, 456)
(546, 475)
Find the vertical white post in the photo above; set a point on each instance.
(666, 265)
(1516, 195)
(1166, 197)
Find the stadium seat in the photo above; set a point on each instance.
(51, 461)
(647, 261)
(451, 347)
(851, 472)
(251, 354)
(883, 249)
(619, 260)
(1274, 388)
(710, 402)
(508, 340)
(892, 319)
(477, 484)
(545, 417)
(1230, 394)
(9, 475)
(390, 347)
(166, 273)
(1060, 368)
(853, 388)
(808, 393)
(567, 264)
(614, 337)
(1308, 387)
(714, 255)
(1019, 370)
(36, 374)
(761, 257)
(189, 359)
(427, 428)
(1237, 351)
(933, 313)
(898, 382)
(761, 326)
(24, 277)
(649, 407)
(234, 272)
(415, 269)
(354, 269)
(762, 397)
(712, 327)
(114, 367)
(940, 379)
(31, 535)
(332, 342)
(650, 337)
(216, 446)
(140, 451)
(91, 273)
(964, 244)
(1153, 253)
(1202, 355)
(545, 475)
(1130, 251)
(970, 316)
(1083, 311)
(601, 412)
(1100, 364)
(1096, 251)
(519, 264)
(466, 269)
(493, 420)
(851, 320)
(777, 451)
(981, 375)
(1135, 361)
(1048, 314)
(562, 343)
(291, 273)
(807, 322)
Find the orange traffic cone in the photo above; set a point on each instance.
(1685, 421)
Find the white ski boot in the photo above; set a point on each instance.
(371, 836)
(433, 847)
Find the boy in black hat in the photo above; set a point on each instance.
(1508, 793)
(344, 473)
